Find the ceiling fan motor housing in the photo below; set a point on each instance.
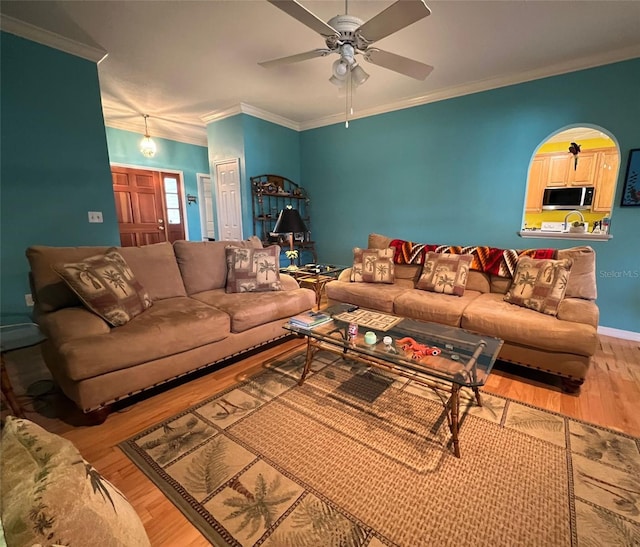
(346, 25)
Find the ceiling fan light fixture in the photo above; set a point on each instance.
(340, 69)
(358, 75)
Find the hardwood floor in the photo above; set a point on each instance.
(609, 398)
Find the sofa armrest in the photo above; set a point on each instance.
(288, 282)
(579, 310)
(71, 323)
(345, 275)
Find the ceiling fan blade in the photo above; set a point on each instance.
(400, 64)
(397, 16)
(295, 58)
(302, 14)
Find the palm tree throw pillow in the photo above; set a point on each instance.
(445, 273)
(373, 265)
(106, 285)
(539, 284)
(253, 270)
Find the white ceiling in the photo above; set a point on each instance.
(184, 62)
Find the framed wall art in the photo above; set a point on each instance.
(631, 191)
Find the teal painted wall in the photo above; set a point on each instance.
(54, 165)
(455, 172)
(124, 147)
(262, 147)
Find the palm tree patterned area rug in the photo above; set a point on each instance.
(356, 457)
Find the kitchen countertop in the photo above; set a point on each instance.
(538, 234)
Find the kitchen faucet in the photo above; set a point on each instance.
(572, 213)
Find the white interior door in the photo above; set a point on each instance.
(205, 198)
(228, 200)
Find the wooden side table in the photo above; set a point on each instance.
(316, 276)
(16, 332)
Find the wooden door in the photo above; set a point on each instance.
(139, 206)
(228, 199)
(149, 206)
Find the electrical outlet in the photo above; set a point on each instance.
(28, 299)
(95, 216)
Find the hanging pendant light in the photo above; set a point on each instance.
(147, 146)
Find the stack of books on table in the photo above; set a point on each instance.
(310, 319)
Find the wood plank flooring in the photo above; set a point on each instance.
(609, 398)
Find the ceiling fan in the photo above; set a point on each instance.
(349, 36)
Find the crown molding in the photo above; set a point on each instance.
(244, 108)
(47, 38)
(483, 85)
(162, 132)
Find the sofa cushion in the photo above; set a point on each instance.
(253, 270)
(435, 307)
(490, 314)
(203, 263)
(445, 273)
(170, 326)
(156, 268)
(50, 292)
(539, 284)
(372, 265)
(251, 310)
(51, 495)
(379, 297)
(582, 281)
(107, 286)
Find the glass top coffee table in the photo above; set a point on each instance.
(440, 357)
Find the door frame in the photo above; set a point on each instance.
(202, 204)
(214, 178)
(183, 195)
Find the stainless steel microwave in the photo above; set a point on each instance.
(568, 197)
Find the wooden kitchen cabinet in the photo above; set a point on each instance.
(584, 174)
(606, 179)
(558, 172)
(538, 173)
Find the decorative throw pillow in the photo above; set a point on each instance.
(52, 496)
(107, 286)
(445, 273)
(539, 284)
(253, 270)
(373, 265)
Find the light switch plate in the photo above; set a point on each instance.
(95, 216)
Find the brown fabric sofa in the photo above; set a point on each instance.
(561, 345)
(192, 323)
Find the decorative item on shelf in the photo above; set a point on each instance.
(290, 222)
(147, 146)
(192, 199)
(575, 150)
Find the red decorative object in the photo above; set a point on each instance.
(418, 351)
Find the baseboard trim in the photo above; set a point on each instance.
(619, 333)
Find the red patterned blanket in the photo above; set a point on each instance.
(491, 260)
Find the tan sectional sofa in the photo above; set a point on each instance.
(192, 323)
(561, 345)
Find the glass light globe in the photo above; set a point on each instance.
(148, 147)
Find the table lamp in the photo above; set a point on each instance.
(290, 222)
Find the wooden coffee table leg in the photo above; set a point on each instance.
(307, 363)
(478, 399)
(455, 418)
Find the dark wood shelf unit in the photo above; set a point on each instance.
(271, 194)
